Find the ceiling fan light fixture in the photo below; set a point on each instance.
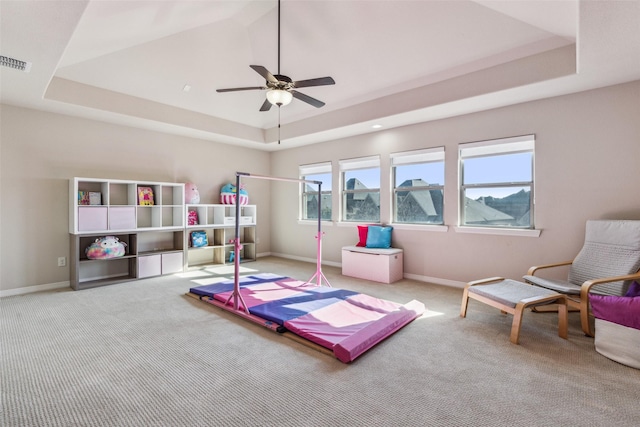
(279, 97)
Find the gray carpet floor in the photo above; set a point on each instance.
(143, 354)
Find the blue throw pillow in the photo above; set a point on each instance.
(379, 237)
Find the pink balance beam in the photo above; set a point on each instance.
(242, 313)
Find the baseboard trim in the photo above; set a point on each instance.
(67, 284)
(313, 260)
(36, 288)
(435, 280)
(419, 278)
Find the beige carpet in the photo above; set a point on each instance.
(143, 354)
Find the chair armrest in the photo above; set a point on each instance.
(586, 286)
(533, 269)
(485, 281)
(584, 297)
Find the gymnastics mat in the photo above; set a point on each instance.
(345, 322)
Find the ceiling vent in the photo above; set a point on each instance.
(16, 64)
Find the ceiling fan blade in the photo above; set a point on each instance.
(321, 81)
(306, 98)
(264, 73)
(266, 106)
(235, 89)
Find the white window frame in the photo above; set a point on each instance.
(313, 169)
(511, 145)
(346, 165)
(414, 157)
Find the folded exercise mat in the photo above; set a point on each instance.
(345, 322)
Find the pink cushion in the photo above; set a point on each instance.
(624, 311)
(363, 231)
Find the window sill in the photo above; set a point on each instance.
(421, 227)
(355, 223)
(498, 231)
(323, 223)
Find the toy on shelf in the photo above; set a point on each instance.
(145, 196)
(228, 195)
(89, 198)
(232, 257)
(192, 218)
(199, 239)
(106, 247)
(191, 194)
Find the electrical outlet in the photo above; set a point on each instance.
(62, 261)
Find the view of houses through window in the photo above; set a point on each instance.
(316, 172)
(418, 186)
(496, 186)
(497, 183)
(361, 189)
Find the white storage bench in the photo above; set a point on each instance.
(378, 265)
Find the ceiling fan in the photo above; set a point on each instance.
(281, 89)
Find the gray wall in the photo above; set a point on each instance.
(586, 167)
(587, 151)
(41, 151)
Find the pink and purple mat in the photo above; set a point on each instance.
(346, 322)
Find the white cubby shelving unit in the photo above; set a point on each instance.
(153, 233)
(218, 222)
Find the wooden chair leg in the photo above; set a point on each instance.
(584, 319)
(465, 302)
(563, 322)
(517, 323)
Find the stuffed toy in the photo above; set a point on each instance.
(105, 247)
(145, 196)
(228, 195)
(191, 194)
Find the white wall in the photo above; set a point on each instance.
(587, 152)
(586, 159)
(40, 152)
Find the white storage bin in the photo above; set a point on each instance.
(172, 263)
(149, 265)
(378, 265)
(231, 220)
(122, 218)
(92, 218)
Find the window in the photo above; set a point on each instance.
(361, 189)
(497, 183)
(309, 192)
(418, 186)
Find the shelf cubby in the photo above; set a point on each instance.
(154, 233)
(218, 221)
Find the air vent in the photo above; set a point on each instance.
(16, 64)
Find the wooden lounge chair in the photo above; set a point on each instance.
(607, 264)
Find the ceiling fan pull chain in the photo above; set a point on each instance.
(278, 37)
(278, 119)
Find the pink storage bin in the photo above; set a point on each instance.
(122, 218)
(91, 218)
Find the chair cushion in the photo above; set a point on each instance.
(625, 233)
(611, 248)
(562, 286)
(509, 292)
